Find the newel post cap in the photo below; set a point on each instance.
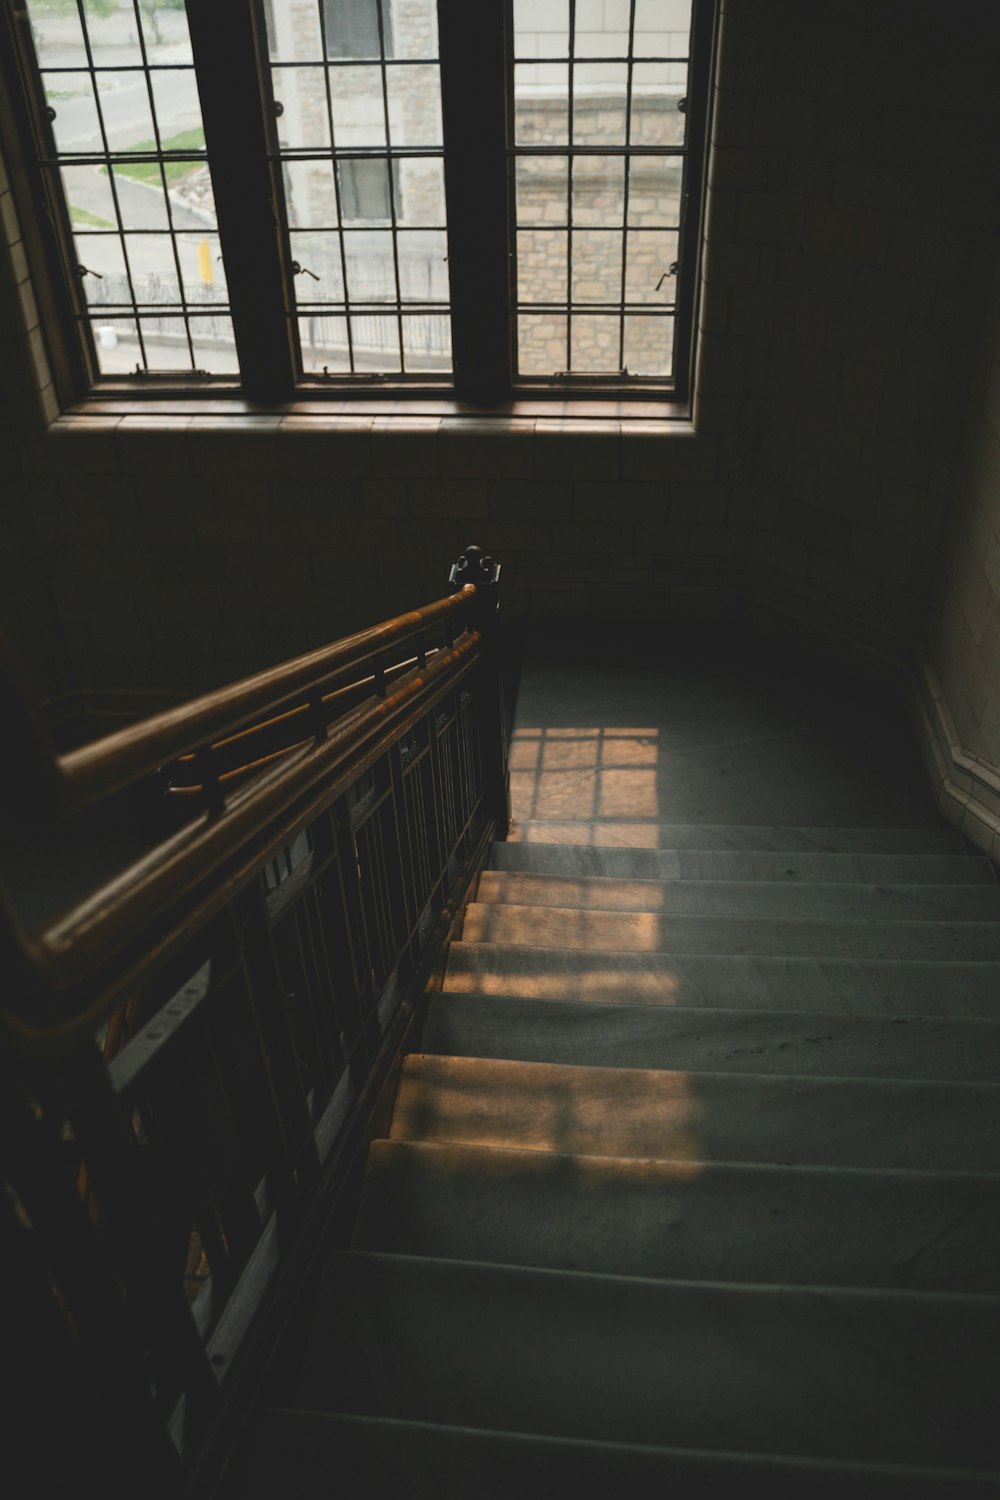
(474, 566)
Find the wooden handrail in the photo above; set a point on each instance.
(191, 1054)
(108, 765)
(138, 918)
(238, 755)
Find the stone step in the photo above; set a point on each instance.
(712, 1040)
(877, 1377)
(852, 986)
(384, 1458)
(916, 1231)
(739, 836)
(897, 1124)
(743, 898)
(743, 864)
(563, 927)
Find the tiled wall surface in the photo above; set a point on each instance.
(28, 612)
(184, 550)
(851, 232)
(851, 224)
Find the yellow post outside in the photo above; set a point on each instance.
(205, 263)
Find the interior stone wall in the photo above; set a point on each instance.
(28, 610)
(850, 223)
(852, 227)
(960, 684)
(965, 623)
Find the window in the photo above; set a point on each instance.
(489, 198)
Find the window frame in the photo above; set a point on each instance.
(229, 39)
(700, 72)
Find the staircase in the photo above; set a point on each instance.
(694, 1186)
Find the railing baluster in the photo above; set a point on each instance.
(85, 1280)
(267, 956)
(205, 769)
(239, 1214)
(476, 568)
(277, 1051)
(156, 1301)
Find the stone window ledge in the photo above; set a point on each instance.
(514, 445)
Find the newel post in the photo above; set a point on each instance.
(473, 567)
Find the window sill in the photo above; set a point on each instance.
(234, 409)
(439, 441)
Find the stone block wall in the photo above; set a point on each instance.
(187, 550)
(28, 612)
(852, 223)
(849, 226)
(962, 677)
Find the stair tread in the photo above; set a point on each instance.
(744, 864)
(703, 1038)
(649, 834)
(755, 899)
(903, 1377)
(389, 1456)
(555, 927)
(764, 981)
(729, 1222)
(700, 1116)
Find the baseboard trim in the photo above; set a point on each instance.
(967, 789)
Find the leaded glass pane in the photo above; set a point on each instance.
(130, 155)
(598, 146)
(367, 170)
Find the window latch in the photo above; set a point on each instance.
(298, 270)
(682, 106)
(670, 271)
(86, 271)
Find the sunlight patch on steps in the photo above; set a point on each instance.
(599, 981)
(547, 1107)
(585, 773)
(611, 835)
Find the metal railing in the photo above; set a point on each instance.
(190, 1054)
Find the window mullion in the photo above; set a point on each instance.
(703, 32)
(48, 242)
(224, 43)
(474, 97)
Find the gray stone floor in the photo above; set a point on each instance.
(700, 732)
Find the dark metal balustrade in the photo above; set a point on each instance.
(190, 1055)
